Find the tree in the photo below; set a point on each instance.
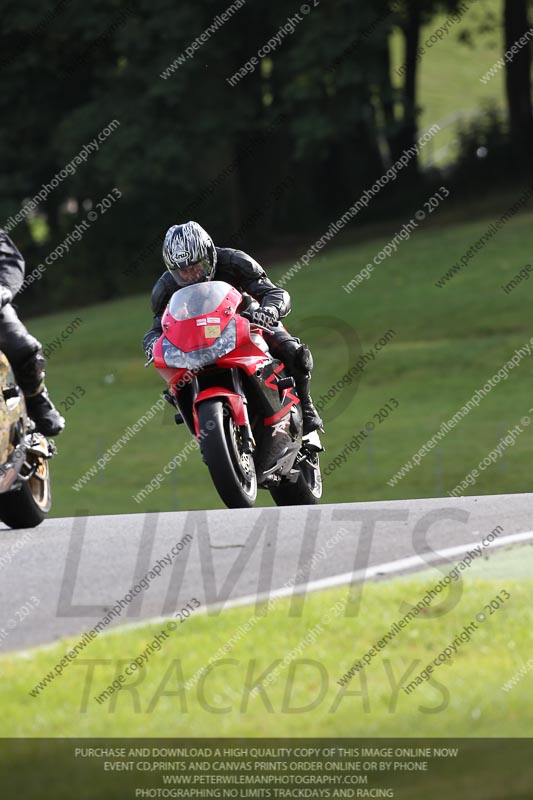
(518, 76)
(411, 31)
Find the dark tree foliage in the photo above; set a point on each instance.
(518, 75)
(283, 151)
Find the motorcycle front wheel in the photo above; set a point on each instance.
(231, 470)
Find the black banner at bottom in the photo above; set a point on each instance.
(406, 769)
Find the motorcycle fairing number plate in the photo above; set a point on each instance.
(212, 331)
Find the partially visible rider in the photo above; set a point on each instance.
(24, 352)
(191, 257)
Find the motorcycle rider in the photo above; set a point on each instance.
(191, 257)
(24, 352)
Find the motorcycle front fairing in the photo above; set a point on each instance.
(199, 331)
(203, 334)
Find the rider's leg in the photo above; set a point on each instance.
(25, 355)
(299, 361)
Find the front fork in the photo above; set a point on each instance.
(238, 404)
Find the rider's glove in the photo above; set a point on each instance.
(266, 316)
(5, 296)
(149, 347)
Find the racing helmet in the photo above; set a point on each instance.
(189, 254)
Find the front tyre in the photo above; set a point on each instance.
(231, 470)
(28, 506)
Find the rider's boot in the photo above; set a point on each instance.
(30, 377)
(47, 418)
(311, 418)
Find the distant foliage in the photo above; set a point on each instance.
(283, 151)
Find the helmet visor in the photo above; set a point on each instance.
(194, 273)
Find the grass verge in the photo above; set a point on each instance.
(464, 697)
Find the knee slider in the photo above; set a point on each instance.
(30, 372)
(34, 363)
(304, 358)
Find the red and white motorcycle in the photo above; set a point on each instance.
(236, 399)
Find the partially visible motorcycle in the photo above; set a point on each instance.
(25, 491)
(237, 399)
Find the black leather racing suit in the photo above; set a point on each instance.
(23, 351)
(245, 274)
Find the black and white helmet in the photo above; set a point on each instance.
(189, 254)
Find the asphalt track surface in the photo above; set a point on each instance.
(79, 568)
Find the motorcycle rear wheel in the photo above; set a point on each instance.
(28, 506)
(231, 470)
(307, 490)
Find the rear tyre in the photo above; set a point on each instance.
(231, 470)
(306, 491)
(28, 506)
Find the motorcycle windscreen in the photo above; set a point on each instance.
(198, 300)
